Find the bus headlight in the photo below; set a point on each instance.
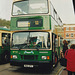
(44, 57)
(15, 56)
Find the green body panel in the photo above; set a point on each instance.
(5, 48)
(46, 23)
(50, 21)
(30, 52)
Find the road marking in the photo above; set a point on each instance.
(59, 71)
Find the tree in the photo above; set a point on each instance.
(5, 23)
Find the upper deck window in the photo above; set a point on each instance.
(30, 7)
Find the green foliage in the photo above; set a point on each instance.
(4, 23)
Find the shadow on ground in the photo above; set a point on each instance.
(33, 71)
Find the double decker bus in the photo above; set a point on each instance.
(34, 41)
(4, 45)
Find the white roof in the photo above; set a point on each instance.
(16, 0)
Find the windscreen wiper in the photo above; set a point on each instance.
(37, 48)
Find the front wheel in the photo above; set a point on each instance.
(6, 57)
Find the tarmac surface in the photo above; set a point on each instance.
(6, 69)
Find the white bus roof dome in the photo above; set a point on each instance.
(16, 0)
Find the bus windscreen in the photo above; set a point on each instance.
(31, 40)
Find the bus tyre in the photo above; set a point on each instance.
(6, 57)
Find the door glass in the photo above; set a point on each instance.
(5, 39)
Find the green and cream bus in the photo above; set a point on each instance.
(34, 41)
(4, 45)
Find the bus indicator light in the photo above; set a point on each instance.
(48, 57)
(44, 57)
(11, 56)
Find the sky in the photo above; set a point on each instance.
(5, 9)
(64, 9)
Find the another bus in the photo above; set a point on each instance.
(34, 39)
(4, 45)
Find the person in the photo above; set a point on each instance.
(70, 56)
(63, 60)
(65, 46)
(69, 44)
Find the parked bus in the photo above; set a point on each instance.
(4, 45)
(34, 39)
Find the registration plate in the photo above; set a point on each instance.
(28, 66)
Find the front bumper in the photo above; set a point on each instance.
(34, 63)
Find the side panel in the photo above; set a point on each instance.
(56, 28)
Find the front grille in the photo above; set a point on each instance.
(29, 57)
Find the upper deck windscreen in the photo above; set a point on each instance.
(30, 7)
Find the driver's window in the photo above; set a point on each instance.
(5, 39)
